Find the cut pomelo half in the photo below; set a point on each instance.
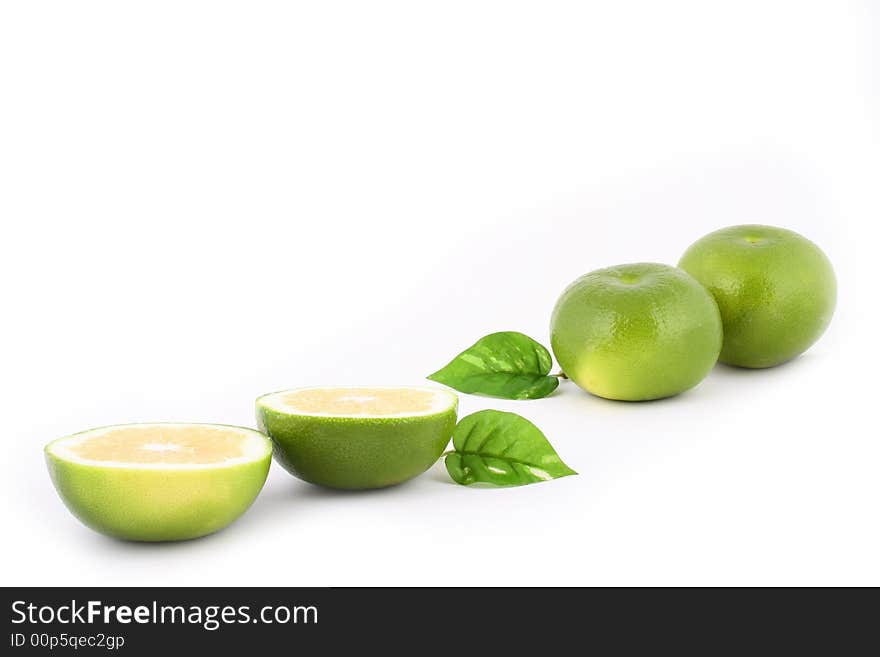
(358, 437)
(159, 481)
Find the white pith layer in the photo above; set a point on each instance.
(442, 400)
(255, 446)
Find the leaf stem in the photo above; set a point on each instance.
(560, 375)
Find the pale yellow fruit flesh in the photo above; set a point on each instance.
(361, 402)
(158, 444)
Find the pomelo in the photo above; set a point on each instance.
(636, 332)
(159, 482)
(776, 291)
(358, 437)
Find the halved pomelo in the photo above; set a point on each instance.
(358, 437)
(162, 481)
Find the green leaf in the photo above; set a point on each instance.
(509, 365)
(504, 449)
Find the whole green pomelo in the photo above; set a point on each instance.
(776, 291)
(636, 332)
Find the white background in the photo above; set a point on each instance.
(202, 202)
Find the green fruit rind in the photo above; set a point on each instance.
(357, 452)
(776, 291)
(636, 332)
(152, 504)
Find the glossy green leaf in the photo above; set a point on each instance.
(504, 449)
(508, 364)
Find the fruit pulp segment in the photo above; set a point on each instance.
(365, 402)
(159, 444)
